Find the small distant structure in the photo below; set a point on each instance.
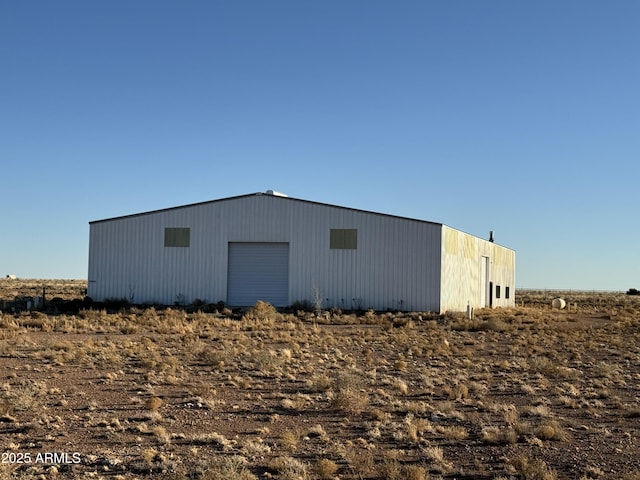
(11, 277)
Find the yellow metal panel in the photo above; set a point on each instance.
(450, 241)
(469, 247)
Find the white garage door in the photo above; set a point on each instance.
(258, 271)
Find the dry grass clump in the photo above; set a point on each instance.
(267, 362)
(289, 468)
(289, 439)
(255, 448)
(214, 438)
(537, 411)
(552, 430)
(401, 386)
(361, 462)
(153, 403)
(325, 468)
(414, 472)
(418, 427)
(262, 314)
(392, 468)
(319, 382)
(209, 355)
(453, 432)
(225, 467)
(435, 454)
(27, 395)
(493, 324)
(161, 434)
(528, 468)
(457, 392)
(349, 394)
(317, 431)
(494, 435)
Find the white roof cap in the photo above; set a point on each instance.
(276, 194)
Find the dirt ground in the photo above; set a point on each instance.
(202, 393)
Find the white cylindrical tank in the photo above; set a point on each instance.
(558, 303)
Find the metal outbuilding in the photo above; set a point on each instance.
(270, 247)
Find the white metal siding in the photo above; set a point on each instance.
(397, 263)
(464, 275)
(128, 259)
(258, 271)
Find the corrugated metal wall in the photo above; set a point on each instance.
(396, 264)
(462, 271)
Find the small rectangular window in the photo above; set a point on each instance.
(343, 239)
(177, 237)
(497, 291)
(506, 292)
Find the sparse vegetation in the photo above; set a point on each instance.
(198, 391)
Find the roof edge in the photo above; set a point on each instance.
(278, 197)
(168, 209)
(286, 199)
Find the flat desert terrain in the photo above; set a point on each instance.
(123, 392)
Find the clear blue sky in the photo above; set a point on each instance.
(518, 117)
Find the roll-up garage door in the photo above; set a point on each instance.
(258, 271)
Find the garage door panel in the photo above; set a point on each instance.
(258, 271)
